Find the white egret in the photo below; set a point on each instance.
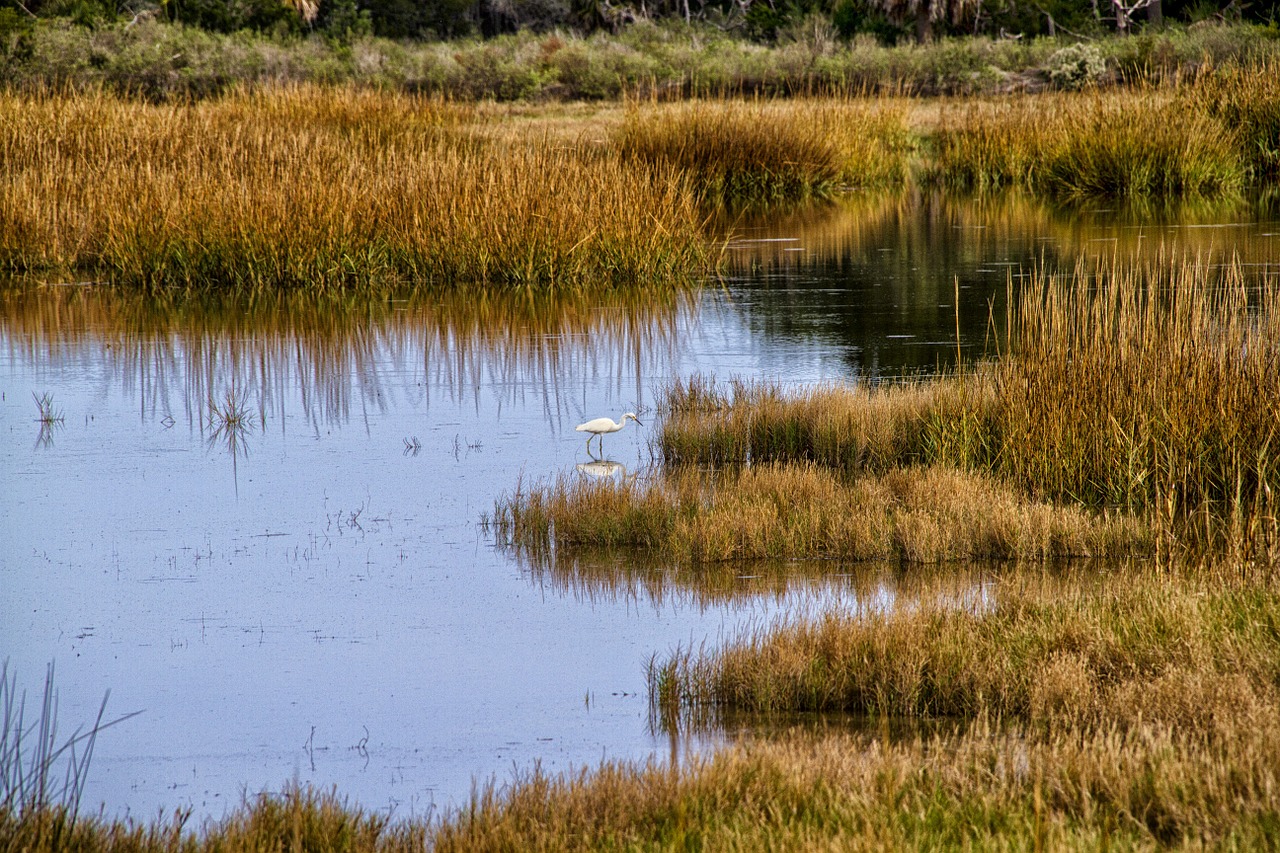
(599, 426)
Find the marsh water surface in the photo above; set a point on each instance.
(261, 521)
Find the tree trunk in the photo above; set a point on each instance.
(924, 21)
(1155, 13)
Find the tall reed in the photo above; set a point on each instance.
(736, 151)
(1143, 143)
(1248, 102)
(325, 188)
(1145, 388)
(43, 773)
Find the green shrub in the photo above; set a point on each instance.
(1076, 66)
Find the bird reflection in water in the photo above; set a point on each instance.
(604, 468)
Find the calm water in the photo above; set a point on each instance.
(313, 595)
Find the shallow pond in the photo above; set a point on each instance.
(261, 522)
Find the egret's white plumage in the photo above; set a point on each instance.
(599, 426)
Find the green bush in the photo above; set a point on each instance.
(17, 42)
(1076, 66)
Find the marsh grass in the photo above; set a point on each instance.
(1150, 388)
(1138, 143)
(329, 188)
(43, 774)
(924, 515)
(849, 430)
(1002, 789)
(1145, 387)
(770, 151)
(1191, 650)
(1247, 102)
(995, 788)
(325, 189)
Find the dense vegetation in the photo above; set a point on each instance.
(159, 58)
(338, 187)
(887, 20)
(1132, 411)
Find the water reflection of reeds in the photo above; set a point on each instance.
(878, 276)
(334, 354)
(603, 574)
(922, 235)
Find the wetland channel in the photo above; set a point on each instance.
(308, 591)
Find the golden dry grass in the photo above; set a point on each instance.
(325, 188)
(1138, 142)
(925, 515)
(330, 187)
(736, 151)
(1198, 652)
(1001, 790)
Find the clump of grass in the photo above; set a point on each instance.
(1247, 101)
(1199, 654)
(297, 818)
(1139, 388)
(846, 429)
(42, 775)
(1140, 149)
(735, 152)
(325, 189)
(924, 515)
(48, 414)
(1144, 143)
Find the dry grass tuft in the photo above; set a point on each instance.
(737, 152)
(1199, 654)
(925, 515)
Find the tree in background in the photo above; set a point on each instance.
(927, 14)
(889, 21)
